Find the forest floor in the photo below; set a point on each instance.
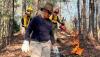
(14, 50)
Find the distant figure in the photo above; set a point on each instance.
(26, 19)
(40, 32)
(75, 23)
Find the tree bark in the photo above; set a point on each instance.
(91, 17)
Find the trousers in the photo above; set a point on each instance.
(40, 49)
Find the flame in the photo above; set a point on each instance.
(76, 44)
(77, 50)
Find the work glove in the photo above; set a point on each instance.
(25, 46)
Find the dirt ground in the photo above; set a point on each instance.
(14, 50)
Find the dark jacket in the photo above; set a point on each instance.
(40, 29)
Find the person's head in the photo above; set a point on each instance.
(47, 10)
(29, 10)
(56, 11)
(28, 13)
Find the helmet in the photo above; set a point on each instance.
(30, 8)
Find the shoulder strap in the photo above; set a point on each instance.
(52, 17)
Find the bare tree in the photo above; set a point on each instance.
(91, 17)
(5, 22)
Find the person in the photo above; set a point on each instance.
(40, 30)
(54, 18)
(26, 19)
(75, 22)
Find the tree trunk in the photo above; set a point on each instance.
(91, 17)
(96, 32)
(6, 16)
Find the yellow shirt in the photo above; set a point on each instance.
(53, 18)
(26, 21)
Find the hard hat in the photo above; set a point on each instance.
(30, 8)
